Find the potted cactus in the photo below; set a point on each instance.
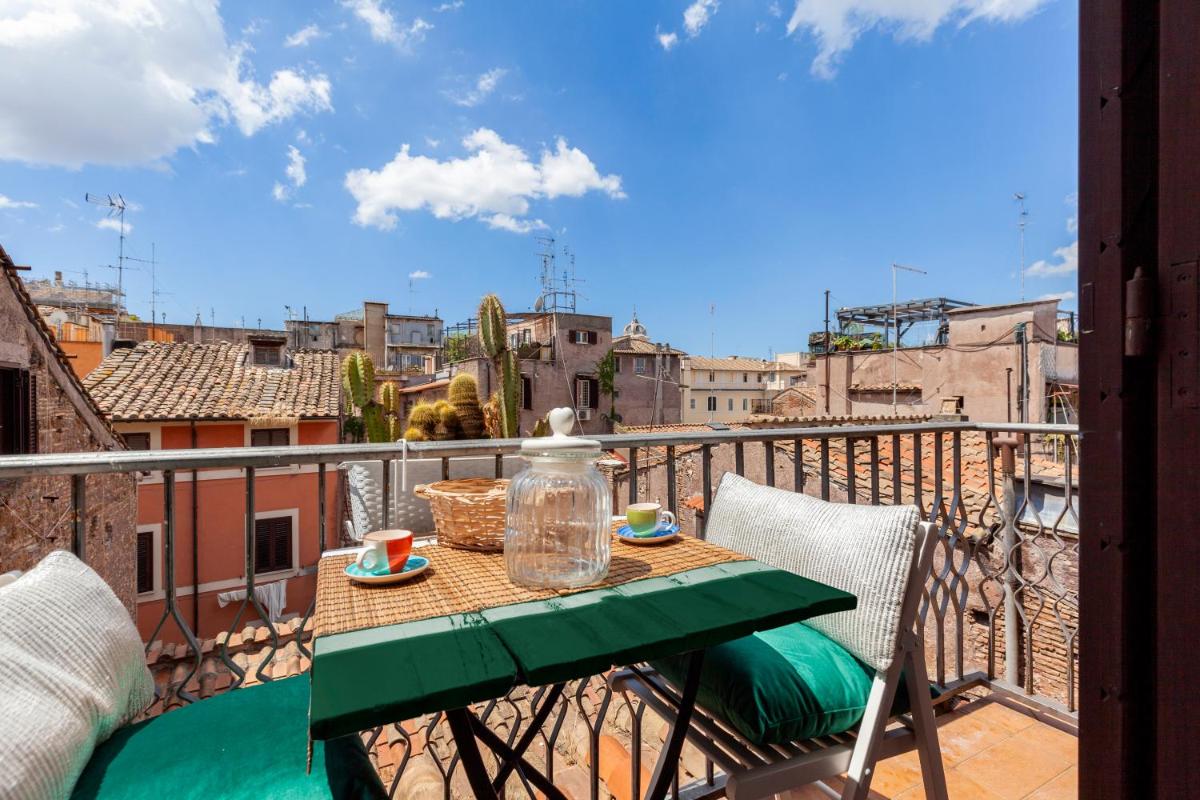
(493, 336)
(373, 414)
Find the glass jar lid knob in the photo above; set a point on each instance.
(561, 422)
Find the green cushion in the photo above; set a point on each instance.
(783, 685)
(247, 743)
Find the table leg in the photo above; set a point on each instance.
(535, 725)
(459, 720)
(668, 759)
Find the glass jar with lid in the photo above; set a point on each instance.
(559, 511)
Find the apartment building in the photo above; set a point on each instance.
(400, 344)
(734, 388)
(647, 378)
(559, 354)
(165, 396)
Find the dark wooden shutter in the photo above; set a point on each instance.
(571, 335)
(27, 426)
(526, 393)
(272, 544)
(593, 393)
(593, 337)
(145, 562)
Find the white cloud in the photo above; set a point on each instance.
(485, 84)
(444, 7)
(837, 24)
(418, 275)
(1065, 262)
(1058, 296)
(383, 24)
(432, 143)
(8, 202)
(295, 174)
(495, 183)
(774, 9)
(667, 40)
(113, 224)
(141, 80)
(697, 15)
(302, 37)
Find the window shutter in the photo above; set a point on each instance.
(593, 337)
(572, 335)
(31, 417)
(593, 393)
(262, 546)
(281, 542)
(526, 393)
(145, 562)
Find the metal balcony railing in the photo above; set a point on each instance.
(1002, 495)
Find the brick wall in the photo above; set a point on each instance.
(35, 513)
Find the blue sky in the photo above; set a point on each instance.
(746, 154)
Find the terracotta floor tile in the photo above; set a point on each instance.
(1053, 740)
(897, 774)
(962, 736)
(959, 786)
(997, 715)
(1015, 767)
(1064, 787)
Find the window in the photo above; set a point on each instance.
(731, 404)
(270, 437)
(267, 355)
(712, 377)
(745, 404)
(145, 561)
(712, 403)
(18, 412)
(272, 544)
(639, 366)
(616, 363)
(526, 392)
(584, 337)
(137, 441)
(693, 404)
(587, 393)
(746, 377)
(759, 376)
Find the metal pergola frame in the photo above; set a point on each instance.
(905, 315)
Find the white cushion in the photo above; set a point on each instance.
(72, 670)
(861, 549)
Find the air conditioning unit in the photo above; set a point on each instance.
(585, 414)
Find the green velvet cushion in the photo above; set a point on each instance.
(247, 743)
(783, 685)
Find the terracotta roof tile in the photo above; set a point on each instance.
(173, 380)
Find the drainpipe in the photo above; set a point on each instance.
(1007, 447)
(195, 544)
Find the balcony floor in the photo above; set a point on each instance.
(991, 751)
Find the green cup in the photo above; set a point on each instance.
(646, 519)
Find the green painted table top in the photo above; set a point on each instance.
(375, 675)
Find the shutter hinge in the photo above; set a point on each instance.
(1139, 304)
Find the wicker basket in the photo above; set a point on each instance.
(468, 513)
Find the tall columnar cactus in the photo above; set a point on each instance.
(464, 396)
(358, 378)
(493, 336)
(389, 398)
(377, 419)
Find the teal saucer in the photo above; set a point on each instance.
(412, 568)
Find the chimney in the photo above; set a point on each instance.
(196, 334)
(58, 278)
(108, 333)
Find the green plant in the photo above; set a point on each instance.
(606, 376)
(464, 396)
(447, 427)
(376, 419)
(423, 418)
(493, 337)
(458, 347)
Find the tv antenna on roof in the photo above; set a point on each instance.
(155, 293)
(1022, 219)
(115, 204)
(558, 291)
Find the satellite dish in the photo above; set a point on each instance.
(537, 306)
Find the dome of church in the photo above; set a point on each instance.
(635, 328)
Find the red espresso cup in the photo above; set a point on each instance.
(386, 553)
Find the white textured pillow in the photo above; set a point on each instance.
(72, 671)
(864, 550)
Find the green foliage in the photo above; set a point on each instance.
(376, 425)
(458, 347)
(365, 415)
(510, 394)
(353, 428)
(464, 396)
(606, 376)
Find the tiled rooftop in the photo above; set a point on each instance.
(168, 381)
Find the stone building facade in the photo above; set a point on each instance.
(58, 416)
(647, 378)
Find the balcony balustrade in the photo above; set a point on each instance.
(1000, 612)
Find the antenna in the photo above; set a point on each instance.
(1022, 218)
(557, 291)
(116, 208)
(896, 331)
(154, 291)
